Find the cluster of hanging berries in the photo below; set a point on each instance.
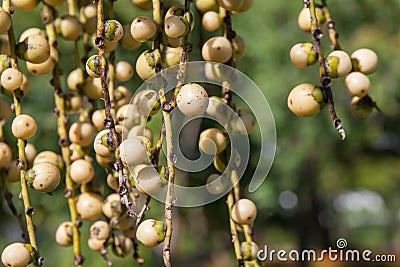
(308, 99)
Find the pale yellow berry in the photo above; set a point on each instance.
(305, 100)
(5, 21)
(211, 21)
(46, 177)
(89, 206)
(217, 49)
(192, 99)
(358, 84)
(123, 71)
(81, 171)
(64, 234)
(16, 255)
(143, 29)
(364, 60)
(338, 64)
(11, 79)
(212, 141)
(24, 127)
(244, 211)
(5, 154)
(150, 232)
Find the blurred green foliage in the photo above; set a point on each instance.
(339, 189)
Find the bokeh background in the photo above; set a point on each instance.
(319, 189)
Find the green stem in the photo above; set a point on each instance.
(325, 79)
(21, 144)
(63, 137)
(333, 34)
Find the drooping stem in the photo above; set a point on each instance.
(325, 79)
(333, 34)
(17, 94)
(62, 121)
(234, 233)
(124, 186)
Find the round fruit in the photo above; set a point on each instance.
(127, 40)
(101, 145)
(112, 205)
(212, 141)
(30, 31)
(143, 29)
(5, 21)
(40, 68)
(34, 48)
(94, 64)
(70, 27)
(211, 21)
(30, 152)
(64, 234)
(244, 211)
(46, 176)
(23, 127)
(50, 157)
(150, 232)
(11, 79)
(113, 30)
(96, 244)
(54, 2)
(147, 179)
(175, 27)
(304, 19)
(89, 206)
(123, 71)
(357, 84)
(12, 173)
(140, 130)
(338, 64)
(360, 107)
(93, 89)
(133, 152)
(206, 5)
(215, 184)
(303, 55)
(217, 49)
(25, 4)
(249, 250)
(16, 255)
(145, 65)
(305, 100)
(100, 230)
(81, 133)
(239, 47)
(5, 154)
(173, 56)
(364, 60)
(81, 171)
(231, 5)
(192, 99)
(245, 122)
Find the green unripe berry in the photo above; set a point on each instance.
(249, 250)
(305, 100)
(303, 55)
(338, 64)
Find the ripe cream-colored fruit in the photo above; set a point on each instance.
(127, 41)
(96, 244)
(305, 100)
(249, 250)
(50, 157)
(173, 55)
(244, 211)
(126, 116)
(143, 29)
(30, 31)
(175, 27)
(112, 205)
(54, 2)
(303, 55)
(46, 177)
(25, 4)
(217, 49)
(100, 230)
(123, 71)
(147, 179)
(150, 232)
(64, 234)
(5, 21)
(82, 133)
(75, 79)
(5, 154)
(133, 151)
(16, 255)
(304, 19)
(338, 64)
(30, 152)
(24, 127)
(140, 130)
(245, 122)
(40, 68)
(239, 47)
(206, 5)
(215, 184)
(34, 48)
(82, 171)
(101, 146)
(358, 84)
(71, 28)
(12, 172)
(192, 99)
(231, 5)
(145, 66)
(92, 88)
(211, 21)
(212, 141)
(147, 102)
(11, 79)
(89, 206)
(364, 60)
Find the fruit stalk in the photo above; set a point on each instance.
(124, 187)
(63, 137)
(17, 94)
(325, 79)
(333, 34)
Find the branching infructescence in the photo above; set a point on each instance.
(307, 99)
(48, 14)
(22, 163)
